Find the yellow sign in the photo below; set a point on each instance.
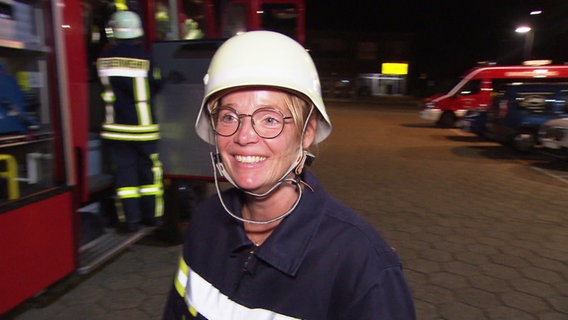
(394, 68)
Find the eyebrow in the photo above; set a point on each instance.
(262, 106)
(226, 105)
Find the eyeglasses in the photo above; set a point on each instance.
(267, 123)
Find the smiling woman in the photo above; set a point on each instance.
(277, 246)
(259, 156)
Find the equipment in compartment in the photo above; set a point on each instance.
(18, 22)
(13, 114)
(8, 177)
(7, 19)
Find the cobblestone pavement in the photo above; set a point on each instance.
(482, 235)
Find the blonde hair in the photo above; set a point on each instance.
(299, 109)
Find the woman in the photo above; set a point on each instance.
(276, 246)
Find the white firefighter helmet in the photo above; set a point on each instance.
(262, 58)
(126, 25)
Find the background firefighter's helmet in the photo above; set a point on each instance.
(126, 25)
(262, 58)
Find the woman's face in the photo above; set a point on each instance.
(255, 163)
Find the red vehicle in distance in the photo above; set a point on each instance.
(476, 86)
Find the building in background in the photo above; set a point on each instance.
(351, 63)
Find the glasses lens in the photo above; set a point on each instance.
(227, 122)
(268, 123)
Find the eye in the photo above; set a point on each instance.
(268, 118)
(226, 116)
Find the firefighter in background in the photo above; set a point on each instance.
(130, 130)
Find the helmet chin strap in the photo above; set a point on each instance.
(216, 157)
(296, 168)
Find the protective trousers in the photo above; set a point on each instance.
(138, 179)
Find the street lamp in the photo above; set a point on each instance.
(528, 31)
(529, 38)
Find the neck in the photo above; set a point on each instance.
(263, 209)
(258, 233)
(273, 205)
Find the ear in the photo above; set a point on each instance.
(310, 133)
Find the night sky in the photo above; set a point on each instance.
(451, 36)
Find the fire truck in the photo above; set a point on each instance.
(477, 86)
(56, 193)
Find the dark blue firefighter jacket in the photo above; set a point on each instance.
(322, 262)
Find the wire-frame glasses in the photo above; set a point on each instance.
(268, 123)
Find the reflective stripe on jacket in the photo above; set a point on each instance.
(213, 304)
(126, 74)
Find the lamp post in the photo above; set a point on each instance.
(529, 38)
(528, 32)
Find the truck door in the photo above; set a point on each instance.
(470, 95)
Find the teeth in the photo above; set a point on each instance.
(249, 159)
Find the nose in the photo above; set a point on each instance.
(246, 133)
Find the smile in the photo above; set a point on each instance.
(249, 159)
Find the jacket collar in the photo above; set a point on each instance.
(286, 247)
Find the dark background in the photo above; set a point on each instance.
(449, 37)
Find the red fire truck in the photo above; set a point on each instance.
(54, 182)
(474, 90)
